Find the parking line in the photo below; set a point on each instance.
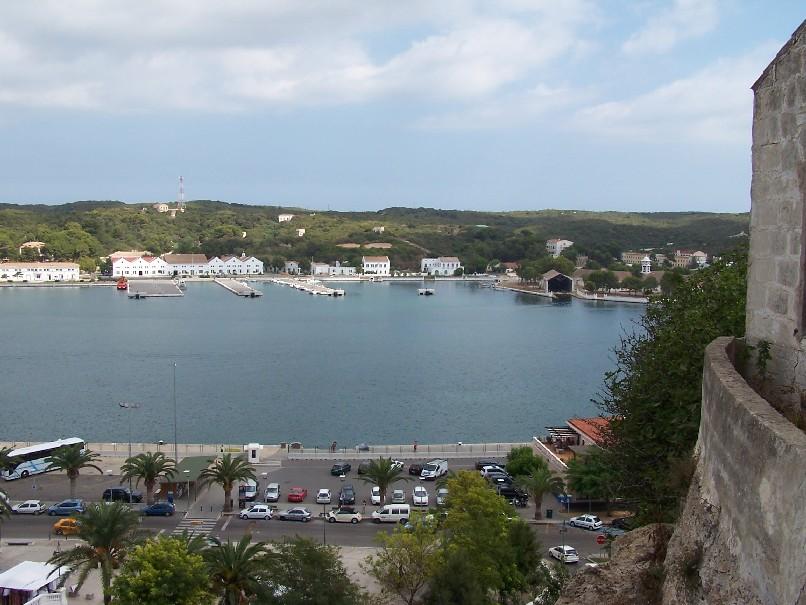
(226, 524)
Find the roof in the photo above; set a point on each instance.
(551, 274)
(29, 576)
(38, 265)
(448, 259)
(590, 427)
(799, 33)
(33, 245)
(122, 253)
(375, 259)
(194, 464)
(185, 259)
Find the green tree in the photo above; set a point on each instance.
(87, 264)
(225, 472)
(72, 460)
(301, 572)
(522, 460)
(632, 283)
(149, 467)
(654, 394)
(237, 572)
(592, 476)
(383, 473)
(405, 561)
(525, 577)
(108, 533)
(551, 580)
(539, 482)
(162, 572)
(650, 282)
(5, 506)
(456, 582)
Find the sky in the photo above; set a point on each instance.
(357, 105)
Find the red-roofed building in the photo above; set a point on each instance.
(589, 430)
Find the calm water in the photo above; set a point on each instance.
(381, 365)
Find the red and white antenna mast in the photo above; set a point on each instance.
(180, 204)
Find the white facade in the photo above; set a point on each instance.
(320, 269)
(187, 264)
(376, 265)
(340, 270)
(284, 218)
(555, 247)
(38, 272)
(291, 267)
(300, 232)
(380, 229)
(444, 265)
(243, 265)
(160, 207)
(140, 266)
(646, 265)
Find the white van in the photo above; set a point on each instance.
(434, 469)
(392, 513)
(272, 492)
(247, 491)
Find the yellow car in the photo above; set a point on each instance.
(66, 527)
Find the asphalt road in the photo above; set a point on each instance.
(310, 474)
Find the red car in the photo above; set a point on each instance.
(297, 494)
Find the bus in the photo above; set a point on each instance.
(25, 461)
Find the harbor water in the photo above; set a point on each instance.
(380, 365)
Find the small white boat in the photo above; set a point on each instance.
(426, 291)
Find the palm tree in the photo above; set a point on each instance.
(541, 480)
(5, 505)
(71, 460)
(109, 532)
(237, 571)
(149, 467)
(225, 472)
(383, 473)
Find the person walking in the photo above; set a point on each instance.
(415, 446)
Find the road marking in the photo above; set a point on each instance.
(226, 524)
(160, 532)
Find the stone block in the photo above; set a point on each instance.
(768, 158)
(766, 130)
(795, 245)
(787, 272)
(779, 300)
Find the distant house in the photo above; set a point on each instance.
(339, 270)
(556, 246)
(284, 218)
(632, 257)
(33, 246)
(139, 266)
(444, 265)
(320, 269)
(160, 207)
(687, 258)
(186, 264)
(242, 265)
(291, 267)
(380, 229)
(38, 272)
(300, 232)
(589, 431)
(646, 265)
(376, 265)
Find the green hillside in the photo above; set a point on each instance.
(92, 229)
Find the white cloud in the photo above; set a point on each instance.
(713, 105)
(683, 20)
(211, 55)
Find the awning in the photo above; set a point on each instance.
(29, 576)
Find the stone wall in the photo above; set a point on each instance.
(741, 538)
(775, 295)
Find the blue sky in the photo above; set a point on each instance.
(356, 105)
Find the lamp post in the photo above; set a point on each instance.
(176, 441)
(129, 406)
(186, 473)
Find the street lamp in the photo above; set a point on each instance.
(186, 473)
(176, 441)
(129, 406)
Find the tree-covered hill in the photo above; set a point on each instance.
(89, 229)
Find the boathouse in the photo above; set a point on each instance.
(554, 281)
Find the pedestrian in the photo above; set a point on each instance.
(415, 446)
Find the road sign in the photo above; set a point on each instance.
(601, 539)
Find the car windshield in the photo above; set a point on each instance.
(570, 551)
(430, 467)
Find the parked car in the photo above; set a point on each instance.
(344, 514)
(159, 509)
(297, 494)
(480, 464)
(248, 490)
(587, 521)
(323, 496)
(347, 495)
(515, 496)
(613, 532)
(419, 496)
(67, 507)
(121, 494)
(295, 514)
(398, 496)
(434, 470)
(256, 511)
(442, 496)
(272, 493)
(493, 468)
(363, 467)
(415, 469)
(340, 468)
(29, 507)
(392, 513)
(625, 523)
(66, 527)
(499, 479)
(398, 464)
(566, 554)
(375, 495)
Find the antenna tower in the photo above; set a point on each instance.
(181, 201)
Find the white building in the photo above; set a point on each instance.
(139, 266)
(379, 229)
(186, 264)
(339, 270)
(160, 207)
(555, 246)
(291, 267)
(646, 265)
(376, 265)
(38, 272)
(444, 265)
(284, 218)
(300, 232)
(33, 246)
(320, 269)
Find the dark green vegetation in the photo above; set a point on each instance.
(92, 229)
(654, 394)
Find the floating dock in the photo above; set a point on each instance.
(426, 291)
(154, 289)
(310, 286)
(238, 287)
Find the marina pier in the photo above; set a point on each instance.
(238, 287)
(154, 289)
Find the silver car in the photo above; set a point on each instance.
(398, 496)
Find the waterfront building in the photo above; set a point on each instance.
(556, 246)
(139, 266)
(128, 253)
(320, 269)
(339, 270)
(376, 265)
(588, 430)
(632, 257)
(284, 218)
(243, 265)
(291, 267)
(687, 258)
(186, 264)
(444, 265)
(646, 266)
(38, 272)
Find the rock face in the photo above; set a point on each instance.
(629, 579)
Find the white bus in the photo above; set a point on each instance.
(30, 460)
